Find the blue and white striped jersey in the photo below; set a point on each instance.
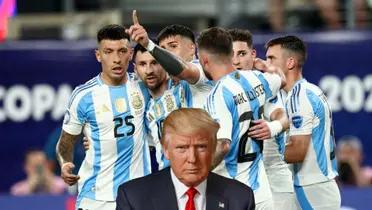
(277, 170)
(309, 114)
(112, 118)
(181, 95)
(235, 101)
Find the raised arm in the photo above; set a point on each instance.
(173, 64)
(264, 66)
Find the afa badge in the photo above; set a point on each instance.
(297, 121)
(136, 100)
(237, 75)
(169, 103)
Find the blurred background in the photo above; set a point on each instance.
(47, 48)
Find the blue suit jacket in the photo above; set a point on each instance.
(156, 192)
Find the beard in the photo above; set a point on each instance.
(153, 86)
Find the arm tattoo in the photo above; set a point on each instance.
(65, 147)
(222, 148)
(171, 63)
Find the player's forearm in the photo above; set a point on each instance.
(296, 149)
(171, 63)
(294, 154)
(280, 115)
(222, 148)
(65, 147)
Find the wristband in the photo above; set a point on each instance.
(150, 46)
(275, 127)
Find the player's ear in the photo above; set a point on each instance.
(291, 63)
(254, 53)
(203, 58)
(192, 49)
(98, 55)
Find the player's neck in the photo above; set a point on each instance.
(292, 77)
(220, 70)
(157, 92)
(113, 82)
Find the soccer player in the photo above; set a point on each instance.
(179, 40)
(168, 95)
(311, 143)
(271, 129)
(243, 51)
(109, 109)
(236, 100)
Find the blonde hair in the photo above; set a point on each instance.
(189, 120)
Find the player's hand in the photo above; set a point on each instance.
(67, 175)
(260, 130)
(264, 66)
(137, 32)
(175, 80)
(86, 143)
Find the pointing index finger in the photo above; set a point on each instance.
(135, 18)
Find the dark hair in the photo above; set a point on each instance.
(241, 35)
(292, 44)
(174, 30)
(216, 41)
(137, 48)
(140, 48)
(112, 32)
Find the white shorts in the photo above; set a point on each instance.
(319, 196)
(89, 204)
(284, 201)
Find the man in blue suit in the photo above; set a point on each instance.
(189, 142)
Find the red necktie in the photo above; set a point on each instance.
(191, 192)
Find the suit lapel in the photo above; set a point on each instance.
(165, 196)
(215, 201)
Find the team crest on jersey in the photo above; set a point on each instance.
(297, 121)
(120, 105)
(237, 75)
(169, 103)
(136, 100)
(67, 117)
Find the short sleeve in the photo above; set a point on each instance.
(300, 114)
(218, 106)
(273, 82)
(74, 118)
(271, 105)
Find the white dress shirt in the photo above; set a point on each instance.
(181, 189)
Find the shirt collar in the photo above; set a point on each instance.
(181, 189)
(296, 84)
